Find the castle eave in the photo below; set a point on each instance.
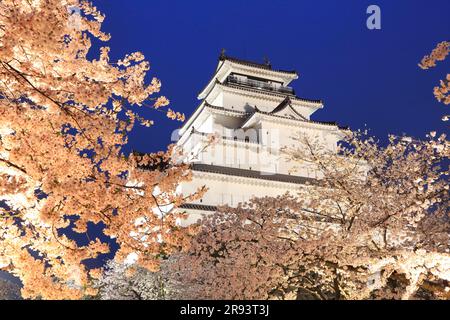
(246, 173)
(265, 66)
(310, 102)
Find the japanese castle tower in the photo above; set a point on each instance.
(251, 110)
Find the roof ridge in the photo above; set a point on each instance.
(318, 101)
(247, 173)
(257, 110)
(207, 104)
(328, 123)
(209, 207)
(266, 66)
(287, 102)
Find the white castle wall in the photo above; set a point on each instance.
(231, 191)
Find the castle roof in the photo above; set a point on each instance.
(230, 171)
(228, 65)
(285, 104)
(211, 208)
(266, 65)
(316, 102)
(249, 115)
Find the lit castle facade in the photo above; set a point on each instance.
(252, 112)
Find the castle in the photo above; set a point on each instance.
(253, 112)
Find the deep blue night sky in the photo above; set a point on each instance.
(363, 76)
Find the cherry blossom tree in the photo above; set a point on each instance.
(376, 225)
(64, 119)
(121, 281)
(439, 53)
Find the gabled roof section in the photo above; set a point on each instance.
(311, 102)
(205, 105)
(266, 65)
(307, 217)
(287, 104)
(257, 115)
(246, 173)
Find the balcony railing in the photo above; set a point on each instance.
(257, 84)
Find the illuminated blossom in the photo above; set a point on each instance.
(63, 121)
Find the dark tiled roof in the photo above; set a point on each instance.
(206, 207)
(286, 102)
(272, 93)
(194, 206)
(253, 174)
(249, 114)
(243, 113)
(266, 66)
(282, 105)
(327, 123)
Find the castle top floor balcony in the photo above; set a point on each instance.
(259, 84)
